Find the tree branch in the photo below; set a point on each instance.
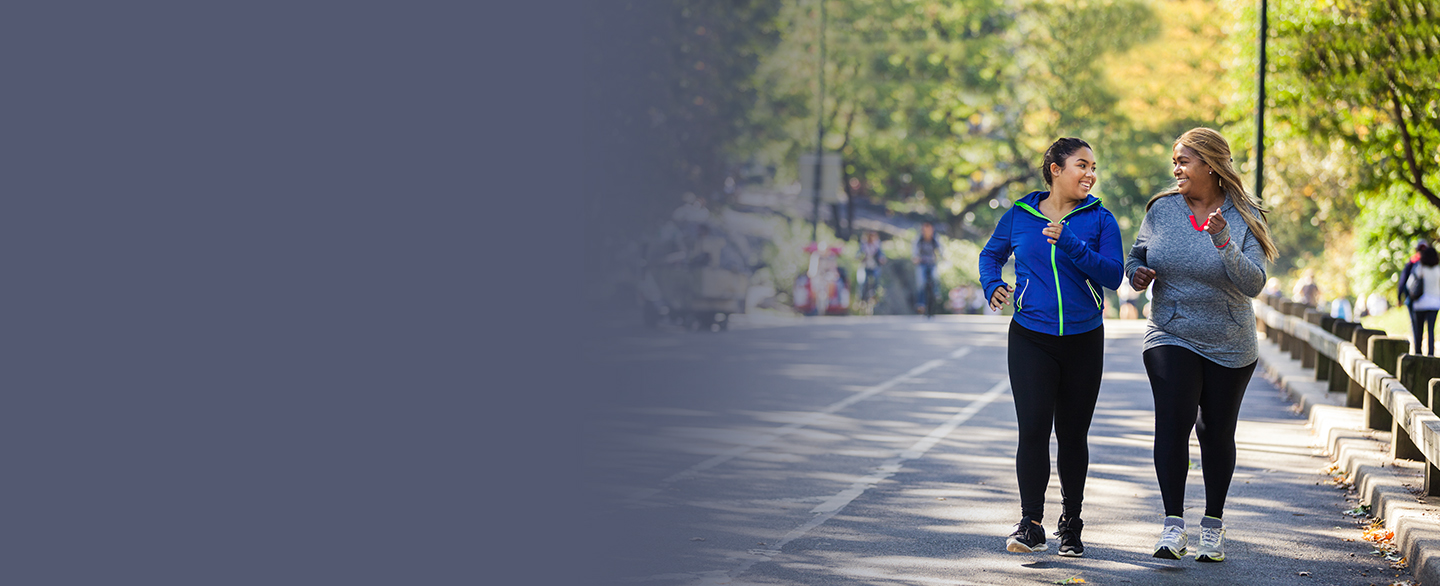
(1416, 178)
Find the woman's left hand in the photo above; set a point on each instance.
(1216, 222)
(1052, 231)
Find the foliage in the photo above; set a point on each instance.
(1310, 192)
(1203, 80)
(961, 264)
(1367, 73)
(666, 91)
(1385, 234)
(942, 107)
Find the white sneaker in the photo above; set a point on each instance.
(1173, 541)
(1212, 543)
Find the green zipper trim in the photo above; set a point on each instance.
(1059, 297)
(1027, 207)
(1099, 300)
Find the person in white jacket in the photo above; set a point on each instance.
(1424, 286)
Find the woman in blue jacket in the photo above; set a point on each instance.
(1067, 252)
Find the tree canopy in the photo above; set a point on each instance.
(943, 106)
(1355, 88)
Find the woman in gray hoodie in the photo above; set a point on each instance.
(1203, 245)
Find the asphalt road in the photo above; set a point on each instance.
(881, 451)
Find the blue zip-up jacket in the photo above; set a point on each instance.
(1059, 288)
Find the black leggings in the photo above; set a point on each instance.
(1184, 382)
(1055, 380)
(1423, 321)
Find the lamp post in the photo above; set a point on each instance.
(819, 131)
(1260, 107)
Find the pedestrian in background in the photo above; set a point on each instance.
(1341, 309)
(1423, 285)
(1203, 244)
(1306, 292)
(1067, 252)
(1402, 292)
(1375, 303)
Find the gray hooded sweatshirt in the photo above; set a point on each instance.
(1203, 283)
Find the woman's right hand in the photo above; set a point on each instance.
(1142, 278)
(1000, 297)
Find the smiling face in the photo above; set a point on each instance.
(1078, 177)
(1192, 175)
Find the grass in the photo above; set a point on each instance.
(1395, 322)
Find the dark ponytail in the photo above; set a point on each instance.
(1058, 152)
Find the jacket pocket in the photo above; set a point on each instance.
(1242, 316)
(1095, 295)
(1161, 313)
(1207, 323)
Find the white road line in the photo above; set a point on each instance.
(766, 439)
(828, 509)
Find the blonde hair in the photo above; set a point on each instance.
(1215, 152)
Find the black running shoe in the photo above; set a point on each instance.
(1069, 535)
(1028, 537)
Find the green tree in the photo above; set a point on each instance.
(940, 107)
(1367, 73)
(1352, 133)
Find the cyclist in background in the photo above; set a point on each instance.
(871, 257)
(925, 255)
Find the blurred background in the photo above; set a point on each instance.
(703, 120)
